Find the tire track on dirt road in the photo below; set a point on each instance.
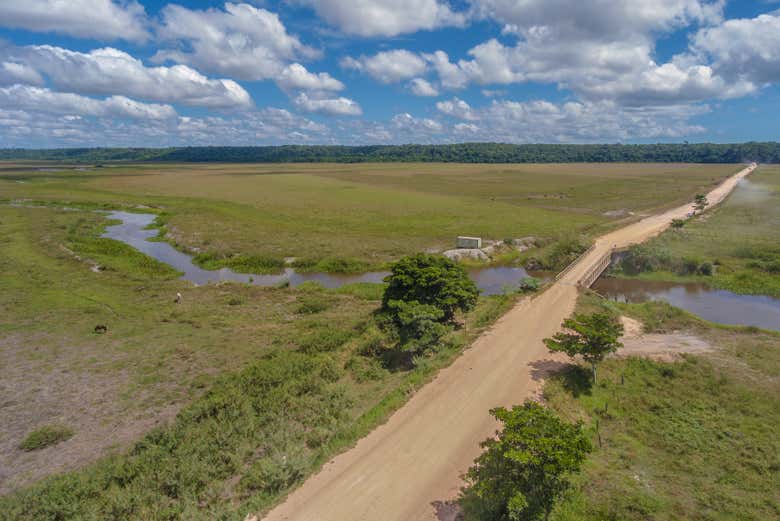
(413, 463)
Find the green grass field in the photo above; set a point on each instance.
(216, 406)
(198, 410)
(741, 238)
(373, 213)
(689, 440)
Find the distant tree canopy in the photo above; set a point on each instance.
(766, 152)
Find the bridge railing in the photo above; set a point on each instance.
(573, 263)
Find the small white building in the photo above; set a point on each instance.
(471, 243)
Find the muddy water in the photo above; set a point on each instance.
(715, 305)
(491, 281)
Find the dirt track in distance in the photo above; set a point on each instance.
(410, 468)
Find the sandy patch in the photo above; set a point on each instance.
(662, 347)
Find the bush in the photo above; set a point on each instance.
(240, 262)
(431, 281)
(311, 304)
(526, 468)
(706, 269)
(419, 326)
(689, 266)
(274, 473)
(331, 265)
(564, 252)
(365, 369)
(528, 285)
(324, 340)
(638, 259)
(46, 436)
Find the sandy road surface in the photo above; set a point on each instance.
(405, 469)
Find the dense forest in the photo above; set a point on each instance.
(768, 152)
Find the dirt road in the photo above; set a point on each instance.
(408, 468)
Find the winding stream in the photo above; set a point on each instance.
(490, 280)
(720, 306)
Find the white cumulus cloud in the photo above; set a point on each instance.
(422, 87)
(100, 19)
(39, 99)
(388, 66)
(386, 17)
(296, 76)
(746, 49)
(111, 71)
(340, 106)
(241, 41)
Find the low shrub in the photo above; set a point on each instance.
(528, 285)
(310, 304)
(324, 340)
(241, 263)
(331, 265)
(45, 436)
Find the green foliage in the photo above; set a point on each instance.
(363, 290)
(523, 471)
(240, 263)
(592, 337)
(642, 258)
(768, 152)
(331, 265)
(324, 340)
(678, 223)
(419, 326)
(700, 202)
(563, 252)
(690, 440)
(528, 285)
(273, 474)
(312, 303)
(735, 247)
(45, 436)
(432, 281)
(177, 472)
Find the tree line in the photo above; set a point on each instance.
(764, 152)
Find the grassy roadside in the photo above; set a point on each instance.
(358, 217)
(267, 383)
(739, 241)
(689, 440)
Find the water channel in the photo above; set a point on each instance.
(132, 231)
(723, 307)
(715, 305)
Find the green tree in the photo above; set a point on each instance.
(591, 336)
(431, 280)
(525, 469)
(678, 223)
(700, 202)
(419, 326)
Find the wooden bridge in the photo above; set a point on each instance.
(595, 272)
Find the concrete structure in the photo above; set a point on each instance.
(472, 243)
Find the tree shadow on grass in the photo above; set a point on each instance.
(574, 378)
(544, 369)
(577, 380)
(447, 510)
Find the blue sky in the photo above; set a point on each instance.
(155, 73)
